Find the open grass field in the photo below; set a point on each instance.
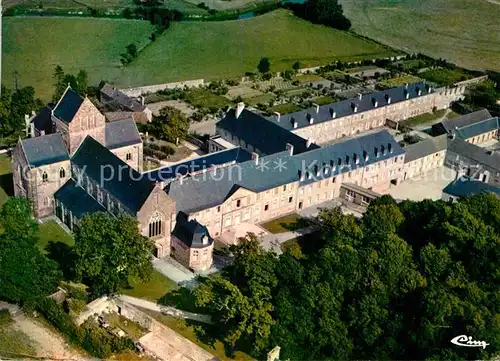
(52, 232)
(152, 290)
(34, 46)
(462, 31)
(209, 50)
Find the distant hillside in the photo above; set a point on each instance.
(465, 32)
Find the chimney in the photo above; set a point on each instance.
(406, 85)
(365, 156)
(360, 96)
(375, 102)
(388, 99)
(333, 113)
(239, 109)
(310, 118)
(308, 142)
(407, 95)
(27, 121)
(32, 130)
(141, 99)
(255, 158)
(33, 113)
(278, 116)
(294, 123)
(42, 132)
(289, 148)
(354, 107)
(316, 106)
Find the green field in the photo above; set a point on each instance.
(34, 46)
(461, 31)
(226, 49)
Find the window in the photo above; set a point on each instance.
(284, 188)
(62, 173)
(238, 203)
(45, 177)
(196, 254)
(155, 225)
(128, 156)
(218, 209)
(266, 207)
(290, 199)
(365, 200)
(333, 179)
(227, 221)
(276, 190)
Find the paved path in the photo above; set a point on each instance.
(272, 242)
(175, 271)
(166, 309)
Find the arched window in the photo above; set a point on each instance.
(62, 173)
(45, 177)
(155, 225)
(128, 156)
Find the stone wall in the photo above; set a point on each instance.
(136, 153)
(135, 92)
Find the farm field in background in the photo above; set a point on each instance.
(461, 31)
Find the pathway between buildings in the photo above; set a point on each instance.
(176, 272)
(168, 310)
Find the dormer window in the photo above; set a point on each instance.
(382, 150)
(365, 155)
(347, 160)
(339, 163)
(389, 147)
(376, 152)
(309, 175)
(355, 158)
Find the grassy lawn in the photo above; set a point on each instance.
(439, 28)
(13, 343)
(444, 77)
(6, 186)
(423, 118)
(189, 332)
(399, 80)
(307, 78)
(153, 290)
(284, 108)
(323, 100)
(33, 46)
(263, 99)
(204, 99)
(287, 223)
(225, 49)
(51, 231)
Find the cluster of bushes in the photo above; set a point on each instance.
(89, 335)
(218, 88)
(129, 55)
(160, 152)
(159, 16)
(167, 149)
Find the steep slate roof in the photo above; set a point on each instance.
(122, 99)
(478, 128)
(451, 124)
(466, 187)
(121, 133)
(345, 107)
(68, 105)
(77, 200)
(233, 155)
(112, 174)
(425, 148)
(192, 233)
(192, 193)
(44, 150)
(264, 135)
(475, 153)
(43, 120)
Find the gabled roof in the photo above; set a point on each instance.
(475, 129)
(211, 189)
(43, 150)
(43, 121)
(112, 174)
(77, 200)
(121, 98)
(464, 187)
(233, 156)
(262, 134)
(478, 154)
(346, 107)
(68, 105)
(192, 234)
(426, 147)
(121, 133)
(465, 120)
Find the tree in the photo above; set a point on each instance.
(14, 106)
(132, 50)
(327, 12)
(296, 65)
(25, 273)
(82, 80)
(78, 83)
(483, 95)
(264, 65)
(59, 84)
(171, 125)
(108, 250)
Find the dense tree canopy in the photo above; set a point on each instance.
(14, 106)
(327, 12)
(25, 273)
(483, 95)
(78, 83)
(170, 125)
(108, 250)
(399, 283)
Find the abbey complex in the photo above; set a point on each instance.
(259, 168)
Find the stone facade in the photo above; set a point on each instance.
(196, 259)
(132, 155)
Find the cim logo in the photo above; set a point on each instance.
(466, 341)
